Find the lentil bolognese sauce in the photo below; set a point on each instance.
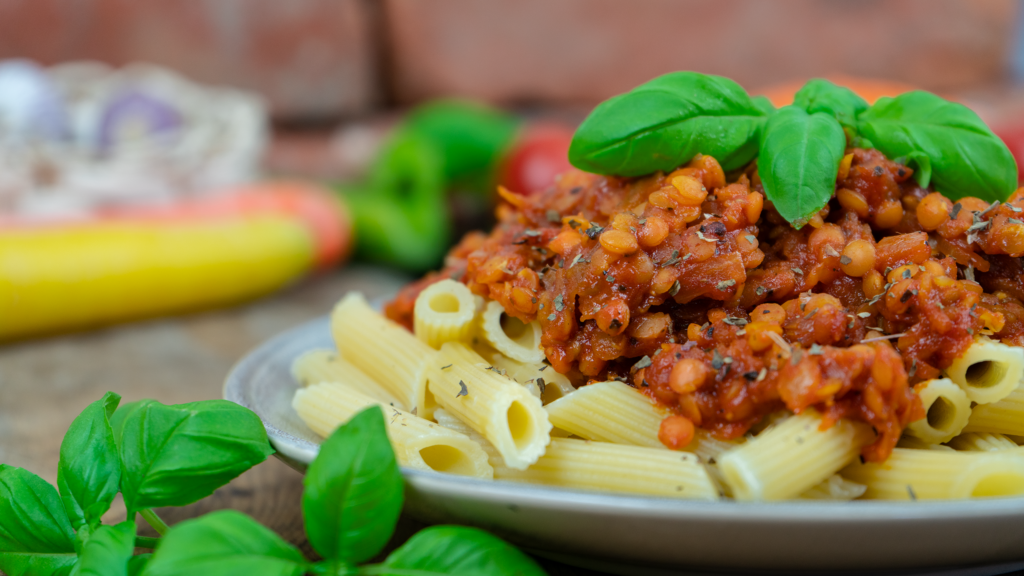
(690, 286)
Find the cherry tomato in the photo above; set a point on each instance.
(540, 152)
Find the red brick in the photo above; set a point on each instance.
(310, 58)
(588, 50)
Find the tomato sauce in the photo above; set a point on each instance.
(694, 290)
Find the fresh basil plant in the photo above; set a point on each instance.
(158, 455)
(664, 123)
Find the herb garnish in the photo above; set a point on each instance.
(158, 455)
(664, 123)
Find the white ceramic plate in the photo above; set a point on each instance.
(633, 535)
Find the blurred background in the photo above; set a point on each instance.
(296, 135)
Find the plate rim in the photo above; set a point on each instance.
(301, 452)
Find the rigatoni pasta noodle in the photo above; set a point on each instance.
(384, 350)
(791, 457)
(318, 366)
(550, 385)
(982, 442)
(835, 487)
(988, 371)
(610, 467)
(418, 443)
(946, 408)
(500, 409)
(445, 312)
(518, 340)
(937, 474)
(1004, 417)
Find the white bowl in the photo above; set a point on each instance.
(644, 535)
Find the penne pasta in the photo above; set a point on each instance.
(918, 444)
(418, 443)
(510, 336)
(632, 469)
(988, 371)
(934, 474)
(318, 366)
(1004, 417)
(946, 407)
(982, 442)
(500, 409)
(835, 487)
(791, 457)
(444, 312)
(618, 413)
(550, 385)
(385, 351)
(609, 412)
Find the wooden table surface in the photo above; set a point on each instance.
(45, 383)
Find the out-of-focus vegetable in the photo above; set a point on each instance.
(470, 139)
(400, 215)
(539, 154)
(142, 262)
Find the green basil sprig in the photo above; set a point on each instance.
(171, 455)
(666, 122)
(962, 156)
(820, 95)
(800, 156)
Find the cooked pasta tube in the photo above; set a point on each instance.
(835, 487)
(618, 413)
(384, 350)
(318, 366)
(418, 443)
(934, 474)
(918, 444)
(791, 457)
(609, 412)
(550, 384)
(982, 442)
(1005, 416)
(946, 407)
(500, 409)
(445, 311)
(509, 335)
(988, 371)
(611, 467)
(446, 419)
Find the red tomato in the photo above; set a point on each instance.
(1014, 138)
(540, 152)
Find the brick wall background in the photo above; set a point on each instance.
(329, 59)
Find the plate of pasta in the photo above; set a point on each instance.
(666, 360)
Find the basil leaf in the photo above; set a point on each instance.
(137, 563)
(107, 551)
(89, 470)
(36, 538)
(967, 158)
(121, 414)
(666, 122)
(799, 161)
(175, 455)
(353, 490)
(820, 95)
(456, 550)
(225, 542)
(764, 105)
